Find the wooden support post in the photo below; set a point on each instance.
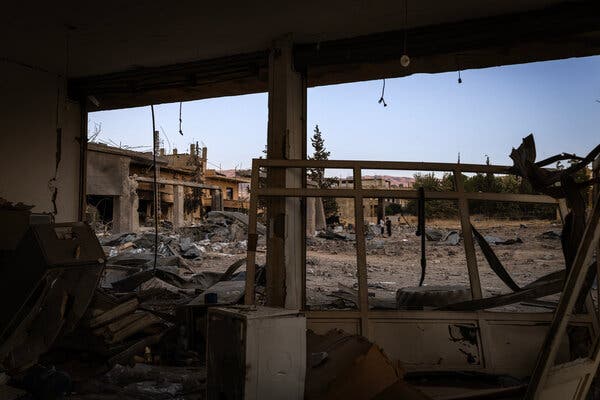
(361, 257)
(596, 195)
(83, 142)
(465, 222)
(286, 140)
(252, 236)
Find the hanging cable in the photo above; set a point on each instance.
(421, 232)
(405, 59)
(180, 105)
(155, 189)
(381, 99)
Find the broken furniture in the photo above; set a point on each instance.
(255, 353)
(50, 278)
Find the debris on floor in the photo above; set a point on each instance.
(129, 317)
(344, 366)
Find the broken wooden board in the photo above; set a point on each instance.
(114, 313)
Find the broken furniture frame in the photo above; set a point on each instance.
(505, 343)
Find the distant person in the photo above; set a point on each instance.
(382, 226)
(388, 225)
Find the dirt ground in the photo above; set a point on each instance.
(394, 262)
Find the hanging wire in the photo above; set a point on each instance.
(381, 99)
(405, 24)
(155, 187)
(180, 131)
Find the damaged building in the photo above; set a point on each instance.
(235, 305)
(119, 187)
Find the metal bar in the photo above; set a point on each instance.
(252, 236)
(465, 222)
(403, 194)
(361, 256)
(571, 291)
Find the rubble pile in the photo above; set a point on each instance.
(134, 318)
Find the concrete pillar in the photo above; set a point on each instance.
(380, 209)
(217, 200)
(125, 206)
(178, 198)
(286, 140)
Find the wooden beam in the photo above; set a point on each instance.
(252, 236)
(286, 135)
(361, 257)
(465, 222)
(403, 194)
(387, 165)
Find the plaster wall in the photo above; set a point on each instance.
(28, 142)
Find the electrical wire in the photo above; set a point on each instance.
(155, 187)
(381, 99)
(180, 105)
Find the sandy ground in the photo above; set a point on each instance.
(394, 262)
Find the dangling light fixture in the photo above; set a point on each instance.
(405, 59)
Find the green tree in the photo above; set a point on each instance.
(317, 175)
(434, 208)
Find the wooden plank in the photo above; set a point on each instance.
(252, 236)
(403, 194)
(132, 328)
(136, 348)
(389, 165)
(119, 324)
(465, 222)
(361, 256)
(114, 313)
(571, 291)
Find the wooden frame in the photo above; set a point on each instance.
(358, 193)
(368, 323)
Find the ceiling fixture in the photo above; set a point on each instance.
(405, 59)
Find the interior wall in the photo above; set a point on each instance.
(28, 142)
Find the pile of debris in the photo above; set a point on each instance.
(132, 313)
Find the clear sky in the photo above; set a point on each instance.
(429, 117)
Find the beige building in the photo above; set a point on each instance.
(373, 209)
(120, 191)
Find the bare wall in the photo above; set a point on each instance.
(28, 142)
